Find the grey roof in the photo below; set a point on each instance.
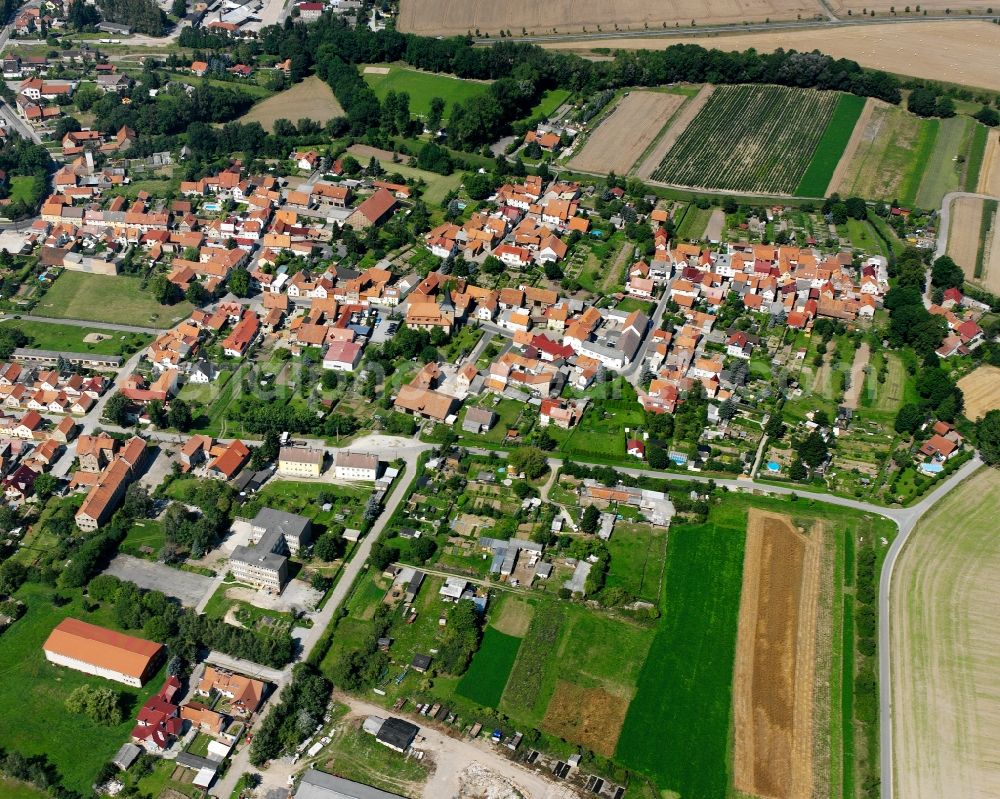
(194, 762)
(397, 733)
(126, 756)
(259, 556)
(318, 785)
(290, 525)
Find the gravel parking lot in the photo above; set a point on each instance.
(187, 587)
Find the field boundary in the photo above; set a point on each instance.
(853, 144)
(672, 130)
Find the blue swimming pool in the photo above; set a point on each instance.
(773, 466)
(932, 468)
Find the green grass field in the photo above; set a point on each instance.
(487, 675)
(692, 226)
(637, 553)
(303, 498)
(944, 172)
(69, 338)
(23, 188)
(920, 161)
(438, 186)
(976, 152)
(11, 789)
(550, 101)
(685, 687)
(831, 146)
(38, 689)
(422, 87)
(106, 298)
(147, 533)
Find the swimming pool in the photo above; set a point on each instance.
(773, 466)
(931, 468)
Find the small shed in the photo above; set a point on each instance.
(420, 662)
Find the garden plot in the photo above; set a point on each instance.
(625, 134)
(750, 138)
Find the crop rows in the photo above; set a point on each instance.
(754, 139)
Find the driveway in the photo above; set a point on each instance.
(189, 588)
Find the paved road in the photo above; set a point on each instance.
(387, 447)
(884, 589)
(153, 331)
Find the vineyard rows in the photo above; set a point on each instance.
(754, 139)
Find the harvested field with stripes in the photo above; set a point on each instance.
(758, 139)
(623, 136)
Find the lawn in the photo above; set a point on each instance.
(69, 338)
(106, 298)
(438, 186)
(925, 145)
(684, 690)
(831, 146)
(694, 222)
(423, 87)
(487, 676)
(551, 100)
(355, 755)
(22, 187)
(304, 498)
(38, 691)
(637, 553)
(148, 533)
(11, 789)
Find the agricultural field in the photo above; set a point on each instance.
(311, 98)
(421, 86)
(953, 51)
(459, 17)
(76, 295)
(838, 134)
(678, 124)
(70, 338)
(775, 658)
(886, 162)
(951, 156)
(964, 243)
(685, 687)
(945, 631)
(981, 389)
(974, 240)
(989, 173)
(485, 680)
(759, 139)
(623, 136)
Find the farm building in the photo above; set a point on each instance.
(317, 785)
(102, 652)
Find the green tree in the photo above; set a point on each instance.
(988, 437)
(530, 461)
(179, 8)
(590, 519)
(179, 415)
(329, 547)
(117, 409)
(813, 450)
(45, 486)
(947, 274)
(435, 114)
(908, 419)
(100, 705)
(239, 282)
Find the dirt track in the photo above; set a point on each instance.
(853, 393)
(945, 628)
(457, 17)
(677, 126)
(775, 659)
(860, 134)
(625, 134)
(956, 51)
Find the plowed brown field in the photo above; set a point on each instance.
(625, 134)
(591, 717)
(775, 659)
